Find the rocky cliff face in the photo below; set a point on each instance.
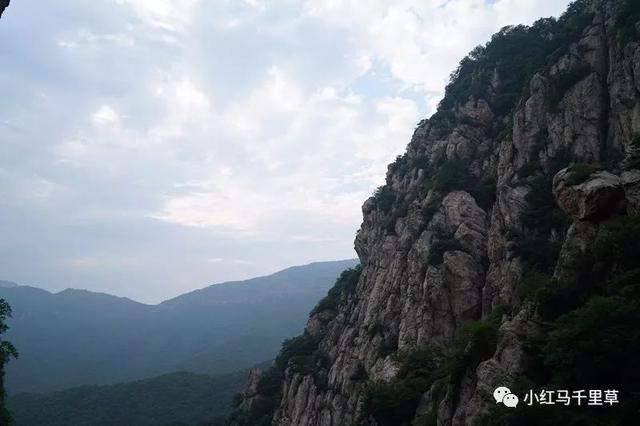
(533, 148)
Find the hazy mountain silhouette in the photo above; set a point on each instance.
(4, 283)
(78, 337)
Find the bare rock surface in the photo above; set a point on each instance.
(597, 197)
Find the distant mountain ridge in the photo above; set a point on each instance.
(4, 283)
(78, 337)
(261, 288)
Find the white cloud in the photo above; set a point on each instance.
(314, 158)
(105, 115)
(247, 132)
(186, 107)
(165, 14)
(421, 42)
(223, 209)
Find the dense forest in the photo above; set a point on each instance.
(172, 399)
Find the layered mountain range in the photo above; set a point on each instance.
(502, 250)
(78, 337)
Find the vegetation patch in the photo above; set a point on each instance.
(405, 164)
(536, 251)
(344, 287)
(439, 248)
(541, 209)
(565, 80)
(513, 55)
(429, 211)
(540, 218)
(388, 346)
(574, 21)
(7, 351)
(580, 173)
(263, 405)
(395, 402)
(301, 354)
(484, 192)
(400, 210)
(384, 198)
(453, 175)
(391, 205)
(527, 170)
(628, 18)
(589, 336)
(617, 245)
(429, 418)
(476, 342)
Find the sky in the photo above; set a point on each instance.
(152, 147)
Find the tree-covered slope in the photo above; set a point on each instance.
(171, 399)
(78, 337)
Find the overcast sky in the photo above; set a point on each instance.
(151, 147)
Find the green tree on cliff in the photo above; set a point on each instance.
(7, 351)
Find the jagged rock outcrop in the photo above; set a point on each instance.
(514, 173)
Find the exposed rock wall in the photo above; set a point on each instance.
(446, 254)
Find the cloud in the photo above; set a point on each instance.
(421, 42)
(105, 115)
(164, 14)
(151, 146)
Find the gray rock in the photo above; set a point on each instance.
(596, 198)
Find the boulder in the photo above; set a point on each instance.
(600, 195)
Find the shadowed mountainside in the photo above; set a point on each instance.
(78, 337)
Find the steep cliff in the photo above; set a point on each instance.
(495, 249)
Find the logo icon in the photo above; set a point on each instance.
(503, 395)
